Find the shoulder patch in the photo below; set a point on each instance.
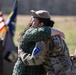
(37, 49)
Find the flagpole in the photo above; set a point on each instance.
(1, 57)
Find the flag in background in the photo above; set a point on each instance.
(3, 27)
(10, 51)
(11, 21)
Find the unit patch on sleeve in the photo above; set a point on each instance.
(37, 49)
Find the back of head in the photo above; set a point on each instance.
(44, 16)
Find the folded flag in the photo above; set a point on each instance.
(10, 51)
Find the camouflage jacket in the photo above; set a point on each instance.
(53, 53)
(59, 62)
(38, 54)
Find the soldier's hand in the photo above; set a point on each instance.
(57, 32)
(19, 50)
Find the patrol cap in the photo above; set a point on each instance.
(40, 14)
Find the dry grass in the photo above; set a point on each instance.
(61, 22)
(65, 23)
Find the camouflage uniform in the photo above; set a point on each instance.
(59, 62)
(37, 56)
(29, 39)
(54, 55)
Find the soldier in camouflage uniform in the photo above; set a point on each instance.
(26, 45)
(54, 55)
(57, 59)
(59, 62)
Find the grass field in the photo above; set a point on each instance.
(65, 23)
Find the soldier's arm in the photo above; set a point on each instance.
(40, 33)
(37, 56)
(57, 32)
(36, 34)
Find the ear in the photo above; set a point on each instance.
(41, 24)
